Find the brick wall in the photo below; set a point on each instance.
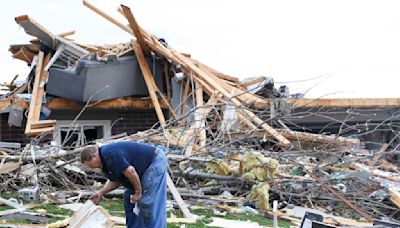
(132, 121)
(124, 120)
(12, 134)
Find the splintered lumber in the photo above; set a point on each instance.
(135, 28)
(394, 196)
(109, 18)
(24, 55)
(36, 104)
(147, 78)
(178, 58)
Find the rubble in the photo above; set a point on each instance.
(230, 144)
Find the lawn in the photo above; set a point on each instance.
(115, 208)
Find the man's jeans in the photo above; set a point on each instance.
(153, 204)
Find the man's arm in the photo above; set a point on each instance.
(133, 177)
(108, 187)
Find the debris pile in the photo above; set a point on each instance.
(230, 144)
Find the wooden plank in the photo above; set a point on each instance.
(167, 82)
(109, 18)
(36, 100)
(345, 102)
(147, 78)
(202, 125)
(34, 132)
(241, 94)
(185, 96)
(126, 102)
(135, 28)
(68, 33)
(394, 196)
(252, 82)
(219, 74)
(33, 105)
(43, 124)
(178, 198)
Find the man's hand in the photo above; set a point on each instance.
(136, 198)
(96, 197)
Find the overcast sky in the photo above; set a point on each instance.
(321, 48)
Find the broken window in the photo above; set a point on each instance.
(80, 133)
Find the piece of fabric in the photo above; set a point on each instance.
(117, 157)
(153, 204)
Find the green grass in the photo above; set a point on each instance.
(207, 214)
(50, 209)
(116, 208)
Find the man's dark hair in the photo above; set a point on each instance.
(86, 153)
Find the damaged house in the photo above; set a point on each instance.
(229, 142)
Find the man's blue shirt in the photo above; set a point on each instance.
(117, 157)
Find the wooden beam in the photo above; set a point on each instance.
(65, 34)
(167, 82)
(345, 102)
(178, 198)
(185, 96)
(34, 132)
(148, 79)
(201, 128)
(135, 28)
(112, 20)
(35, 106)
(252, 82)
(145, 49)
(219, 74)
(126, 102)
(43, 124)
